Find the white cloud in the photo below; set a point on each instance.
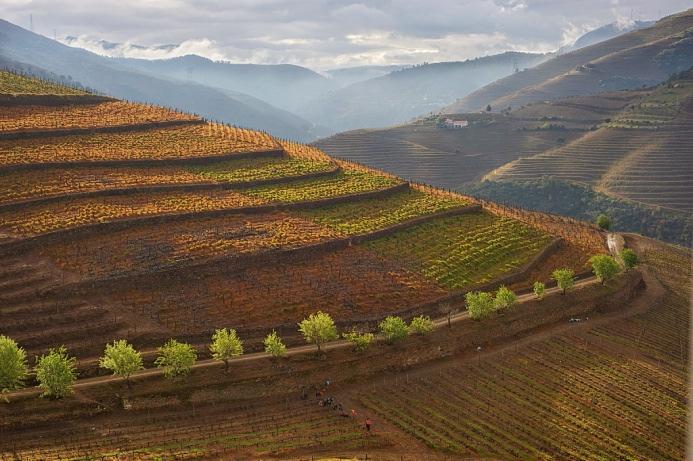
(325, 33)
(202, 47)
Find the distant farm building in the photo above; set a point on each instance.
(450, 123)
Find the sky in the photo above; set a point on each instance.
(326, 34)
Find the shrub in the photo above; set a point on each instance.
(318, 328)
(176, 359)
(604, 267)
(274, 345)
(13, 369)
(565, 278)
(479, 304)
(421, 325)
(56, 373)
(539, 288)
(629, 257)
(361, 341)
(393, 329)
(604, 222)
(225, 345)
(505, 298)
(122, 359)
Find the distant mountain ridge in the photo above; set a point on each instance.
(349, 75)
(401, 95)
(19, 47)
(624, 62)
(283, 85)
(605, 32)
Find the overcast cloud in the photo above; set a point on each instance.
(329, 33)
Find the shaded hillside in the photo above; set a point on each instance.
(24, 48)
(284, 86)
(627, 61)
(426, 151)
(349, 75)
(404, 94)
(643, 153)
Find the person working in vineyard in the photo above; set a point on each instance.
(367, 424)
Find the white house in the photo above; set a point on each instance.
(450, 123)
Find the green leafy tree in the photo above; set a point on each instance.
(13, 368)
(479, 304)
(361, 341)
(604, 222)
(122, 359)
(421, 325)
(565, 278)
(393, 329)
(505, 298)
(318, 328)
(448, 309)
(539, 289)
(175, 358)
(274, 345)
(56, 373)
(604, 267)
(629, 258)
(225, 345)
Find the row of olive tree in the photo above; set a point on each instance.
(56, 371)
(319, 328)
(481, 304)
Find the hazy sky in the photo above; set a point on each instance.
(329, 33)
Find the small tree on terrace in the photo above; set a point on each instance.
(448, 309)
(505, 298)
(539, 288)
(629, 258)
(122, 359)
(604, 222)
(421, 325)
(604, 267)
(393, 329)
(13, 369)
(361, 341)
(565, 278)
(318, 328)
(56, 373)
(479, 304)
(274, 345)
(176, 359)
(225, 345)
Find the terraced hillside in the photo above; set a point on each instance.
(643, 57)
(642, 154)
(108, 234)
(122, 220)
(425, 152)
(602, 390)
(147, 222)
